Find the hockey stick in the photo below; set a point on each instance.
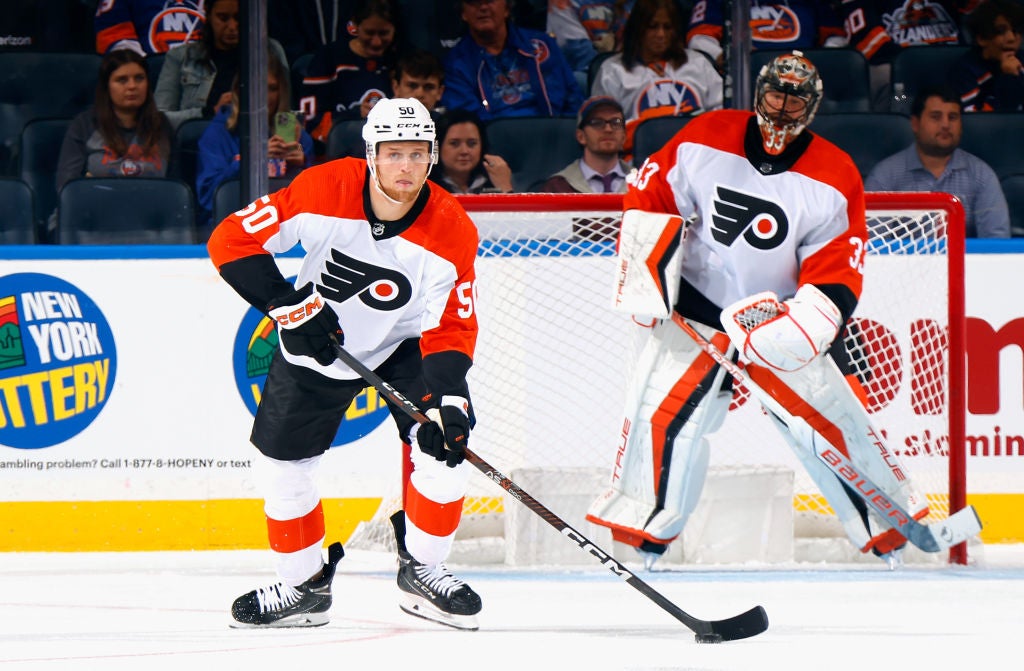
(936, 537)
(745, 625)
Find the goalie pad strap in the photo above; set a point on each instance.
(649, 261)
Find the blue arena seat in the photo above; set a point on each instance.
(997, 138)
(915, 67)
(867, 137)
(125, 211)
(346, 139)
(39, 150)
(17, 226)
(184, 160)
(1013, 189)
(534, 147)
(652, 134)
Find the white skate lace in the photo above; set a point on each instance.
(438, 579)
(277, 597)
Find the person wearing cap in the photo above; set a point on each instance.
(601, 132)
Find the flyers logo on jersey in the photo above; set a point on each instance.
(379, 288)
(762, 223)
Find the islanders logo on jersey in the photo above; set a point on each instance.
(774, 23)
(178, 22)
(255, 345)
(667, 97)
(917, 22)
(58, 361)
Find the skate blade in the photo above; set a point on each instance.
(300, 620)
(419, 608)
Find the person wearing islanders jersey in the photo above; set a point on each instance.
(499, 69)
(770, 208)
(147, 26)
(389, 274)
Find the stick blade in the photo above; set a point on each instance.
(744, 625)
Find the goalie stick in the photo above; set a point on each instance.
(955, 529)
(744, 625)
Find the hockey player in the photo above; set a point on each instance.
(770, 208)
(389, 273)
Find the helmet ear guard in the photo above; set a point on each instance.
(792, 75)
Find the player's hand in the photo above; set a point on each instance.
(786, 336)
(445, 436)
(305, 323)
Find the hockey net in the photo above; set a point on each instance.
(553, 360)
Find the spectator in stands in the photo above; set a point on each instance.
(289, 149)
(147, 26)
(195, 80)
(122, 134)
(346, 77)
(420, 75)
(655, 75)
(585, 29)
(936, 163)
(799, 24)
(601, 131)
(990, 77)
(500, 69)
(464, 165)
(45, 25)
(304, 26)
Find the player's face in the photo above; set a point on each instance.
(402, 168)
(939, 127)
(658, 36)
(427, 90)
(782, 108)
(1006, 39)
(461, 150)
(604, 133)
(224, 24)
(128, 87)
(374, 35)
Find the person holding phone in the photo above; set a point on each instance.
(289, 148)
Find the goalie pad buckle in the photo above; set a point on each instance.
(650, 256)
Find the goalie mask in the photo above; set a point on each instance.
(397, 120)
(787, 95)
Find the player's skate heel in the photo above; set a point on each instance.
(281, 605)
(432, 592)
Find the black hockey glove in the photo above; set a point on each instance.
(445, 436)
(305, 321)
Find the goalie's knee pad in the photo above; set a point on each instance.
(677, 398)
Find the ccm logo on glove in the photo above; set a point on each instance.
(306, 323)
(293, 319)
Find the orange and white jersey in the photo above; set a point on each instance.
(387, 281)
(756, 229)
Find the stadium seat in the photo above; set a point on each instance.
(915, 67)
(867, 137)
(1013, 189)
(652, 134)
(184, 159)
(126, 211)
(346, 139)
(39, 150)
(997, 138)
(228, 197)
(17, 226)
(37, 84)
(518, 139)
(845, 77)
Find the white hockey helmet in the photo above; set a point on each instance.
(794, 76)
(398, 120)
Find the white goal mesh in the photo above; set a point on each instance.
(553, 359)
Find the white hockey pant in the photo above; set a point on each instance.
(674, 401)
(819, 404)
(290, 495)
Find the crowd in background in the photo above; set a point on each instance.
(603, 67)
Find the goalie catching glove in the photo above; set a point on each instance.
(444, 437)
(783, 336)
(305, 323)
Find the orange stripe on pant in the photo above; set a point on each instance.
(436, 519)
(299, 533)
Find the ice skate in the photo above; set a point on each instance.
(281, 605)
(432, 592)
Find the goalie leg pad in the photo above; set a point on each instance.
(649, 260)
(676, 400)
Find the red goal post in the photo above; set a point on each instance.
(553, 360)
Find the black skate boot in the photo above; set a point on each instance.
(281, 605)
(432, 592)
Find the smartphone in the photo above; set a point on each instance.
(286, 126)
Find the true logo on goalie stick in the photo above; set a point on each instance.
(379, 288)
(762, 223)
